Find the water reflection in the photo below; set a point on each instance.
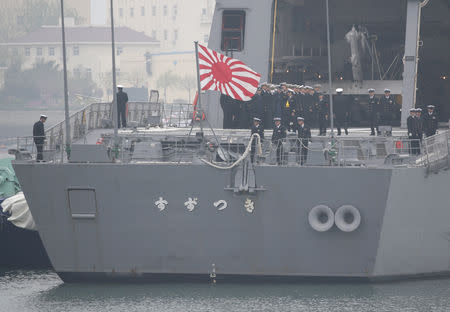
(43, 291)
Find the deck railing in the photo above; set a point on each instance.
(437, 152)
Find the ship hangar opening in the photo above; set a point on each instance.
(377, 31)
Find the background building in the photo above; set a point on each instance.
(89, 52)
(176, 24)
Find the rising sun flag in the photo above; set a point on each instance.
(227, 75)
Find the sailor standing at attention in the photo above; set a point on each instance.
(279, 133)
(256, 128)
(39, 137)
(373, 112)
(410, 124)
(122, 100)
(430, 121)
(304, 135)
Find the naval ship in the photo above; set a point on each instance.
(187, 204)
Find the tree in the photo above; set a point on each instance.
(42, 85)
(17, 21)
(187, 82)
(165, 81)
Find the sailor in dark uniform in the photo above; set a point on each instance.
(323, 111)
(256, 128)
(226, 104)
(304, 135)
(279, 134)
(430, 121)
(410, 125)
(122, 100)
(258, 104)
(308, 105)
(341, 111)
(420, 127)
(417, 132)
(289, 111)
(373, 112)
(388, 107)
(39, 136)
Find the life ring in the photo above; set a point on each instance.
(321, 218)
(347, 218)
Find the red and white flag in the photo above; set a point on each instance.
(227, 75)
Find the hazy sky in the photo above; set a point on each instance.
(98, 12)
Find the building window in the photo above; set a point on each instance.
(154, 10)
(76, 50)
(142, 11)
(88, 73)
(15, 51)
(165, 34)
(119, 51)
(165, 10)
(203, 12)
(121, 12)
(233, 30)
(27, 51)
(175, 35)
(131, 12)
(39, 51)
(51, 51)
(154, 34)
(175, 11)
(77, 72)
(206, 38)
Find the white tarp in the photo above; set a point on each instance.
(20, 213)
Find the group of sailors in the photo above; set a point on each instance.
(288, 102)
(279, 134)
(420, 125)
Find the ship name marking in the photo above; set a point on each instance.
(249, 205)
(161, 204)
(191, 203)
(221, 205)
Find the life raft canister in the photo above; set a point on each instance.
(347, 218)
(321, 218)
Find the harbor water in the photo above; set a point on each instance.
(14, 123)
(33, 291)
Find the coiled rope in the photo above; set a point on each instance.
(244, 155)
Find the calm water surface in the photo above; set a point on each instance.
(15, 124)
(43, 291)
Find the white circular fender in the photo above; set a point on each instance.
(321, 218)
(347, 218)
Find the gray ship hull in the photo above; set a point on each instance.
(100, 221)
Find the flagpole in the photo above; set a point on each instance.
(329, 70)
(199, 87)
(114, 83)
(66, 92)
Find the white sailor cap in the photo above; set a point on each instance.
(290, 90)
(120, 86)
(412, 110)
(431, 107)
(277, 119)
(371, 90)
(256, 119)
(309, 88)
(317, 86)
(300, 118)
(419, 110)
(339, 90)
(387, 90)
(43, 116)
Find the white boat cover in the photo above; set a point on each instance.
(20, 213)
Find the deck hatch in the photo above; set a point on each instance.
(82, 203)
